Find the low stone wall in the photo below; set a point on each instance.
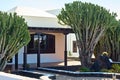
(35, 74)
(81, 74)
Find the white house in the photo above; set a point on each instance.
(46, 31)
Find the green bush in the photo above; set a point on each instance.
(70, 53)
(104, 70)
(116, 68)
(107, 70)
(84, 69)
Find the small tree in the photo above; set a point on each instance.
(14, 35)
(89, 22)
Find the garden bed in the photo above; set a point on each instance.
(72, 71)
(68, 68)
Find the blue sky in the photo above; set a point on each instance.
(113, 5)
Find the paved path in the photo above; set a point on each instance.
(62, 77)
(7, 76)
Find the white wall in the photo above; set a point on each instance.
(20, 56)
(58, 56)
(70, 38)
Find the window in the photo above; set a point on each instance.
(74, 46)
(47, 43)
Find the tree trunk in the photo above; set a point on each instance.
(3, 63)
(85, 59)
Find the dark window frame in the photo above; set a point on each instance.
(48, 44)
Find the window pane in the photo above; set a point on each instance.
(74, 46)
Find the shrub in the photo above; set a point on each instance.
(104, 70)
(116, 68)
(84, 69)
(107, 70)
(70, 53)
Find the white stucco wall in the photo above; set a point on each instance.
(58, 56)
(70, 38)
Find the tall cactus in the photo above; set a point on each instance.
(110, 42)
(14, 35)
(113, 36)
(89, 23)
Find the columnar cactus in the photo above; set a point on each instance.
(14, 35)
(110, 42)
(89, 23)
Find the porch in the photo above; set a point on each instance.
(70, 62)
(37, 56)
